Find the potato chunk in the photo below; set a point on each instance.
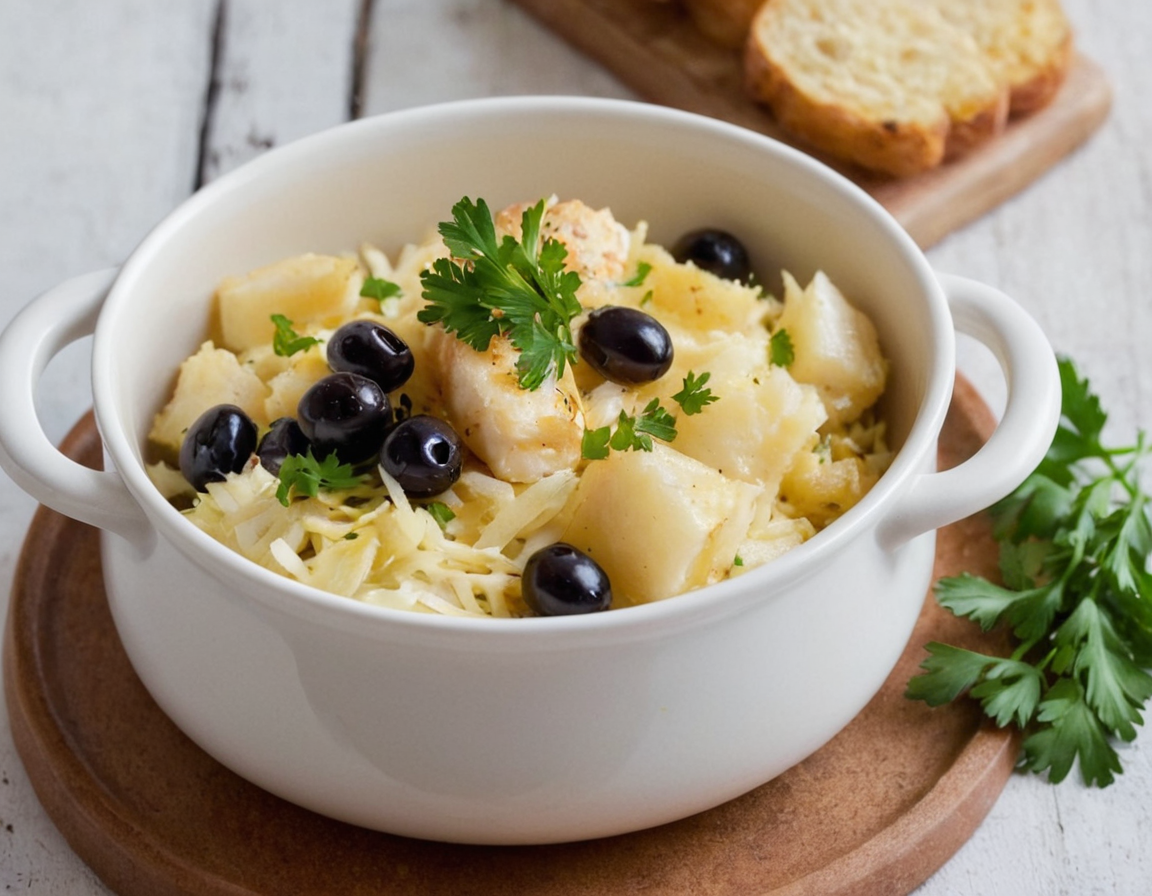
(836, 347)
(659, 522)
(822, 489)
(695, 298)
(307, 289)
(210, 377)
(757, 427)
(303, 371)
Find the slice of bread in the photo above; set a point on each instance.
(1028, 44)
(890, 85)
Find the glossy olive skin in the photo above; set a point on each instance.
(625, 345)
(220, 442)
(372, 350)
(282, 441)
(716, 251)
(560, 580)
(345, 414)
(424, 454)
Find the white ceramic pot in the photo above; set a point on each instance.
(528, 730)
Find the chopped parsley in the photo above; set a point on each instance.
(286, 341)
(694, 397)
(643, 268)
(441, 512)
(517, 289)
(379, 289)
(307, 475)
(780, 351)
(632, 433)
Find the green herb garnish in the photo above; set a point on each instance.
(637, 279)
(632, 433)
(519, 289)
(306, 475)
(694, 397)
(1075, 540)
(441, 512)
(780, 351)
(379, 289)
(286, 341)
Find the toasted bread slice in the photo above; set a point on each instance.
(888, 84)
(1028, 44)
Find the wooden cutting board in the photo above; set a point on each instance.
(873, 813)
(656, 50)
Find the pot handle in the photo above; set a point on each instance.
(37, 334)
(1025, 430)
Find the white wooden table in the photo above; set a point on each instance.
(113, 111)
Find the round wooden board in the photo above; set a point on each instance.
(876, 811)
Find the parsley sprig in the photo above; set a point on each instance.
(780, 351)
(632, 433)
(380, 289)
(695, 396)
(519, 289)
(306, 475)
(635, 432)
(1075, 540)
(286, 341)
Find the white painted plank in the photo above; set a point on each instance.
(285, 70)
(101, 104)
(423, 52)
(1076, 250)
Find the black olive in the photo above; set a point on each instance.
(424, 454)
(345, 414)
(282, 441)
(220, 442)
(560, 580)
(714, 250)
(625, 345)
(372, 350)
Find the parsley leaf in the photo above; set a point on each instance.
(780, 351)
(286, 341)
(594, 444)
(441, 512)
(694, 397)
(517, 289)
(306, 475)
(1075, 539)
(632, 433)
(379, 289)
(637, 279)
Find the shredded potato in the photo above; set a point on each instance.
(780, 454)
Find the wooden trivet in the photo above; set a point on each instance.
(657, 51)
(876, 811)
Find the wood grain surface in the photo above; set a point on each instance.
(113, 113)
(873, 813)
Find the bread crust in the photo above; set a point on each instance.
(890, 147)
(867, 96)
(1025, 47)
(1038, 91)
